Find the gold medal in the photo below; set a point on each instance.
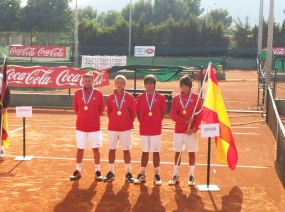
(184, 112)
(86, 107)
(149, 113)
(119, 113)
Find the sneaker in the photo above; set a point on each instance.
(157, 181)
(98, 176)
(129, 177)
(191, 181)
(141, 178)
(174, 180)
(109, 177)
(76, 175)
(2, 154)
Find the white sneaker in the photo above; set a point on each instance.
(156, 180)
(191, 181)
(141, 178)
(174, 180)
(2, 154)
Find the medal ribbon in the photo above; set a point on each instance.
(84, 98)
(152, 100)
(117, 102)
(187, 103)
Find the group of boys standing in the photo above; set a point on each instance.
(122, 109)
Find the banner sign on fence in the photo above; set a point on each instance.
(38, 51)
(278, 51)
(144, 51)
(100, 62)
(52, 77)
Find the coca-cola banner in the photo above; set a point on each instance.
(52, 77)
(38, 51)
(279, 51)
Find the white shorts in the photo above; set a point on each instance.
(95, 139)
(125, 138)
(191, 142)
(151, 143)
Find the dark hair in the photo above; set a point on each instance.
(186, 80)
(150, 78)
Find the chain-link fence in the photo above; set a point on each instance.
(276, 126)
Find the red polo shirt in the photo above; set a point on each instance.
(151, 125)
(177, 112)
(128, 112)
(88, 120)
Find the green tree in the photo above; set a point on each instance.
(220, 16)
(10, 12)
(87, 13)
(48, 16)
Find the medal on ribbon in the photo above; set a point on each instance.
(84, 98)
(119, 105)
(184, 106)
(150, 104)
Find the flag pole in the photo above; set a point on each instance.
(196, 104)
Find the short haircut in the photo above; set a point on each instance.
(186, 80)
(88, 74)
(121, 77)
(150, 78)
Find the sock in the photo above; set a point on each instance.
(97, 167)
(176, 170)
(143, 170)
(156, 169)
(191, 170)
(2, 148)
(128, 168)
(78, 167)
(111, 168)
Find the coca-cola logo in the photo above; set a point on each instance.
(149, 51)
(279, 51)
(53, 77)
(37, 51)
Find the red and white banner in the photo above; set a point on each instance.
(52, 77)
(38, 51)
(279, 51)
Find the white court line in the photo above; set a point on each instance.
(136, 161)
(17, 129)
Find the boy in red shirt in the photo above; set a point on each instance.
(88, 105)
(121, 110)
(184, 105)
(151, 107)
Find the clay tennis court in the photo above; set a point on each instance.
(42, 184)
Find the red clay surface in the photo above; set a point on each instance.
(42, 184)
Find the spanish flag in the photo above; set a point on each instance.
(4, 123)
(214, 111)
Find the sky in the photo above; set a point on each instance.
(236, 8)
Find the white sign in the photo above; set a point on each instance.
(210, 130)
(101, 62)
(144, 51)
(24, 111)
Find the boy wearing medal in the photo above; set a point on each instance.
(151, 107)
(88, 105)
(186, 112)
(121, 111)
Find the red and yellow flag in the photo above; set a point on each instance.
(214, 111)
(4, 123)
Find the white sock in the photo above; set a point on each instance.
(111, 168)
(156, 169)
(176, 170)
(97, 167)
(78, 167)
(128, 168)
(191, 170)
(143, 170)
